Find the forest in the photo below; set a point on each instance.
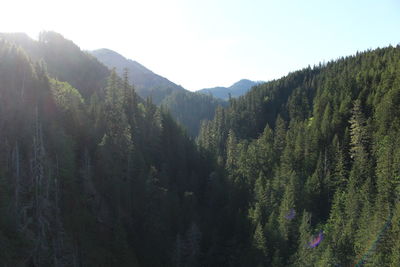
(301, 171)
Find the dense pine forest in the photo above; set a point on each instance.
(300, 171)
(314, 162)
(187, 108)
(101, 179)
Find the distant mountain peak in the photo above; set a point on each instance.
(235, 90)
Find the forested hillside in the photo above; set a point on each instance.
(301, 171)
(146, 82)
(190, 109)
(314, 159)
(186, 107)
(106, 180)
(64, 60)
(68, 63)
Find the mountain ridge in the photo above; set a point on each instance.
(300, 171)
(80, 69)
(188, 108)
(146, 82)
(237, 89)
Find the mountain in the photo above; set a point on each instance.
(314, 159)
(300, 171)
(107, 180)
(64, 60)
(187, 108)
(146, 82)
(237, 89)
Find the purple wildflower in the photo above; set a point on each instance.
(316, 240)
(291, 214)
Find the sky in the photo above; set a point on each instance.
(208, 43)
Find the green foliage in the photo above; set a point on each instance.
(189, 109)
(333, 154)
(96, 176)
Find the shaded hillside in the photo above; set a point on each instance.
(146, 82)
(106, 182)
(189, 109)
(300, 171)
(237, 89)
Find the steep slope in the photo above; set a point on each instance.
(300, 171)
(189, 109)
(68, 63)
(64, 60)
(107, 182)
(314, 158)
(145, 81)
(237, 89)
(186, 107)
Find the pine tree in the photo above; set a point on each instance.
(259, 244)
(358, 132)
(288, 203)
(117, 128)
(231, 152)
(304, 256)
(394, 237)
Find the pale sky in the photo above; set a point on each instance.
(208, 43)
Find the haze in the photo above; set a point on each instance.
(200, 44)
